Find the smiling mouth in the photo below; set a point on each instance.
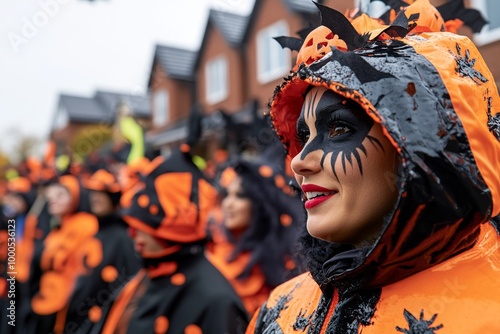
(315, 194)
(314, 198)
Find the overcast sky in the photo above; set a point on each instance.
(48, 47)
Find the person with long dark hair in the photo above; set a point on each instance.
(254, 246)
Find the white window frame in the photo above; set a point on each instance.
(62, 119)
(486, 35)
(273, 61)
(160, 117)
(216, 78)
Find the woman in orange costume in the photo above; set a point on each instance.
(394, 132)
(254, 246)
(82, 262)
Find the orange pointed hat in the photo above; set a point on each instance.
(438, 104)
(102, 180)
(172, 200)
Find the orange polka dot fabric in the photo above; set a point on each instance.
(143, 200)
(193, 329)
(95, 313)
(178, 279)
(161, 325)
(109, 273)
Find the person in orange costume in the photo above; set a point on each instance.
(70, 250)
(178, 290)
(84, 259)
(254, 246)
(394, 130)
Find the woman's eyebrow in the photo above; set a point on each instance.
(301, 123)
(330, 109)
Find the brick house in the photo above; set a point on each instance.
(83, 124)
(230, 78)
(172, 90)
(238, 65)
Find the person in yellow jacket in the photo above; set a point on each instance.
(394, 130)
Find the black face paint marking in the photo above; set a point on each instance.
(341, 128)
(419, 326)
(465, 66)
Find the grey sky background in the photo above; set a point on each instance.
(75, 47)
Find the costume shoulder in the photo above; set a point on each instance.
(460, 295)
(290, 307)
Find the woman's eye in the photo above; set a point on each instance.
(338, 129)
(303, 136)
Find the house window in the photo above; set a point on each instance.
(216, 79)
(61, 119)
(490, 32)
(272, 60)
(160, 107)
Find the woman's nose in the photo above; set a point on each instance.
(226, 202)
(308, 164)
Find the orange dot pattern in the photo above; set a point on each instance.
(193, 329)
(143, 200)
(95, 313)
(109, 274)
(178, 279)
(265, 171)
(161, 325)
(153, 209)
(280, 181)
(289, 264)
(286, 220)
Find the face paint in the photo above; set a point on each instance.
(347, 199)
(341, 129)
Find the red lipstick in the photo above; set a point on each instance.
(311, 203)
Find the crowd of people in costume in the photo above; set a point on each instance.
(384, 218)
(152, 244)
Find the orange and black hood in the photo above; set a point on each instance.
(79, 195)
(438, 104)
(172, 200)
(104, 181)
(23, 187)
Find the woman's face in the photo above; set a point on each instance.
(59, 200)
(101, 204)
(236, 207)
(346, 169)
(145, 243)
(15, 202)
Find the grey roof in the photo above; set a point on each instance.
(232, 26)
(102, 107)
(302, 6)
(177, 63)
(84, 109)
(139, 104)
(173, 133)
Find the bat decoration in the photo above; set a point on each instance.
(399, 27)
(292, 43)
(341, 26)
